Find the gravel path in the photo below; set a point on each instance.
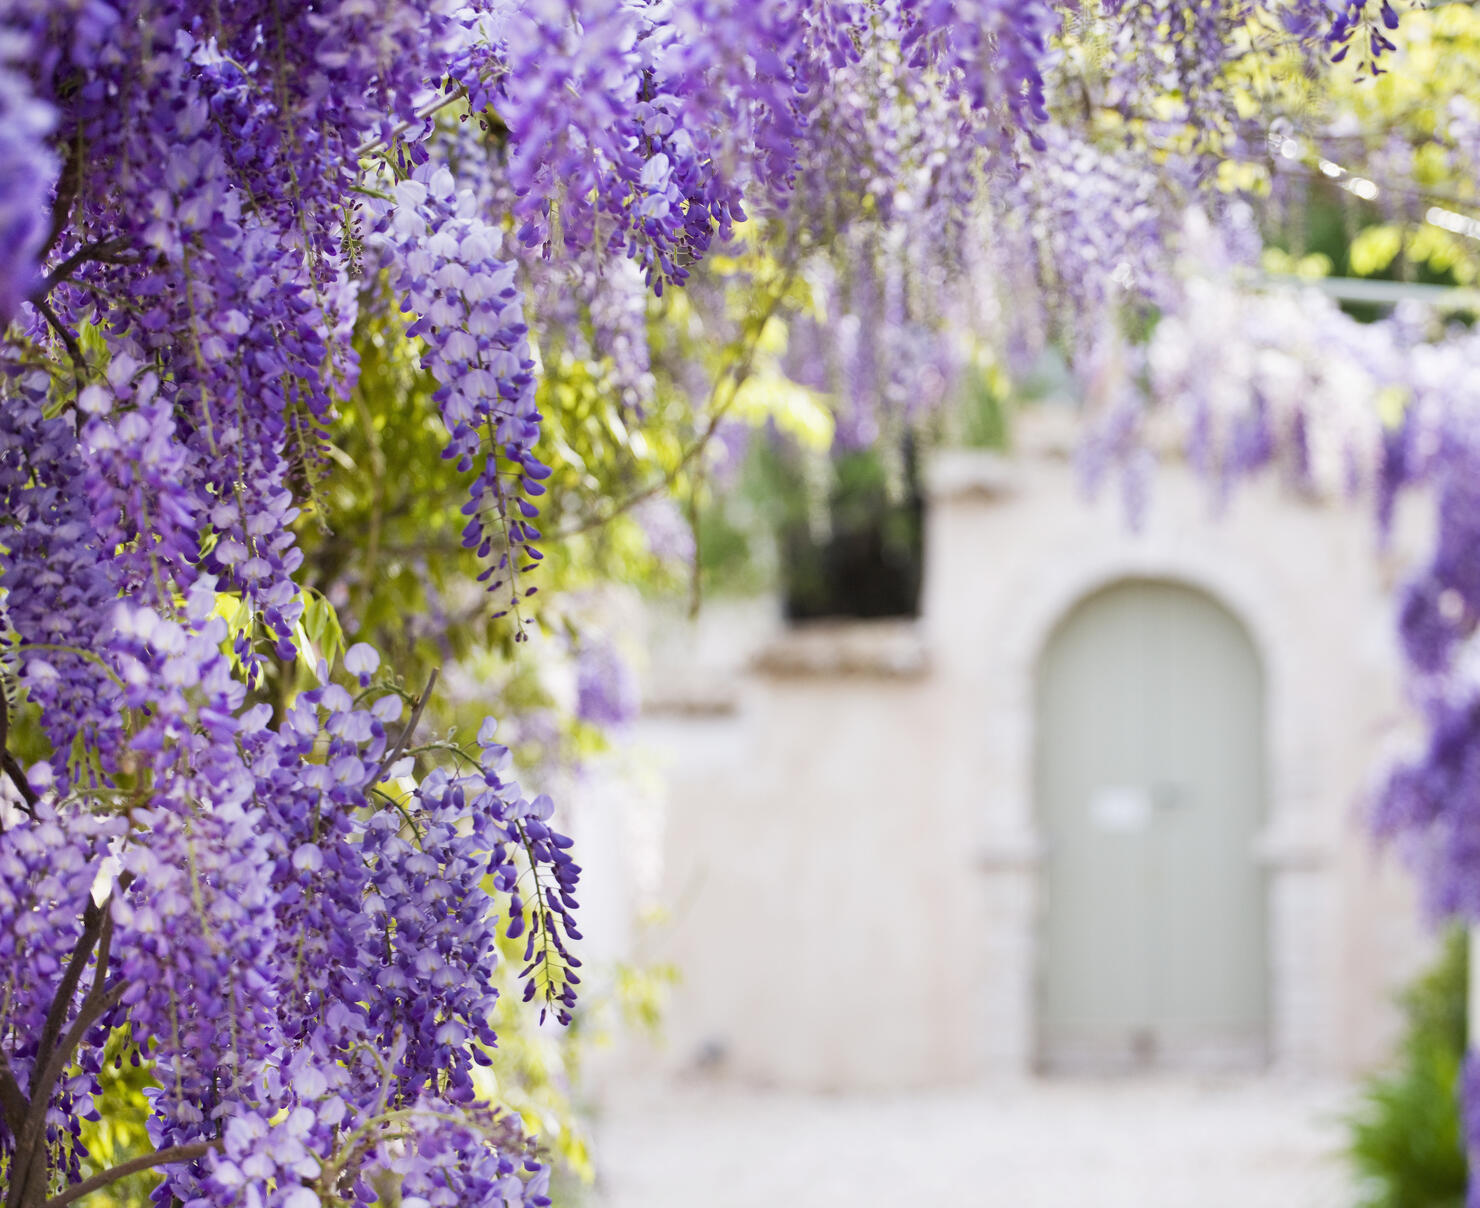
(1156, 1143)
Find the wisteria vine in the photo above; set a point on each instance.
(290, 904)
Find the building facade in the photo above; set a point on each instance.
(1100, 806)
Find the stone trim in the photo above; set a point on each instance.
(885, 649)
(970, 474)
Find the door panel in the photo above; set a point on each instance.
(1150, 780)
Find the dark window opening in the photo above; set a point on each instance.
(870, 563)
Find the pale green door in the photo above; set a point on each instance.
(1150, 789)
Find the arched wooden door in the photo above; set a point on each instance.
(1150, 783)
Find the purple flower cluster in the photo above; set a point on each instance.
(28, 170)
(608, 146)
(1171, 44)
(651, 130)
(49, 863)
(311, 953)
(878, 340)
(1097, 222)
(1242, 379)
(136, 463)
(1364, 25)
(1430, 804)
(606, 689)
(666, 531)
(469, 313)
(996, 49)
(59, 584)
(596, 313)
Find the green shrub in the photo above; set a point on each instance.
(1405, 1136)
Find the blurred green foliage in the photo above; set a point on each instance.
(983, 412)
(1396, 130)
(1436, 67)
(1405, 1136)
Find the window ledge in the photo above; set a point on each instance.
(884, 649)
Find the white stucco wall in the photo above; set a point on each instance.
(849, 854)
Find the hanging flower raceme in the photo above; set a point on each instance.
(596, 313)
(606, 689)
(1365, 26)
(206, 238)
(28, 170)
(49, 864)
(612, 143)
(469, 314)
(57, 579)
(138, 483)
(996, 49)
(1098, 224)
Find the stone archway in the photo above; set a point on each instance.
(1024, 555)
